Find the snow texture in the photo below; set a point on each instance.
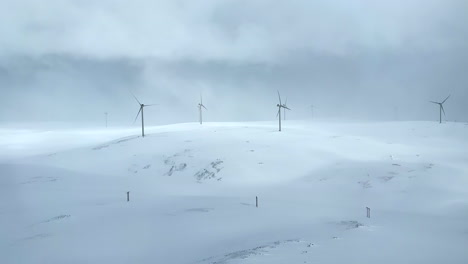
(192, 188)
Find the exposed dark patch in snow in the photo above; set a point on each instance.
(386, 178)
(216, 165)
(210, 172)
(365, 184)
(100, 147)
(115, 142)
(204, 174)
(350, 224)
(244, 254)
(39, 179)
(38, 236)
(175, 165)
(175, 168)
(429, 166)
(59, 217)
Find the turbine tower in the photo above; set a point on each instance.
(142, 107)
(106, 118)
(200, 105)
(441, 108)
(280, 105)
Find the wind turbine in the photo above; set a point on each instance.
(280, 105)
(142, 107)
(441, 108)
(106, 118)
(200, 105)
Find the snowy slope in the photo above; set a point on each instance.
(193, 189)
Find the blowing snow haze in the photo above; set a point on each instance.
(234, 132)
(71, 61)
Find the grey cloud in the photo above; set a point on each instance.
(235, 30)
(74, 60)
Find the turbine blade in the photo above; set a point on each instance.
(137, 115)
(150, 105)
(135, 98)
(445, 99)
(204, 107)
(279, 109)
(201, 99)
(434, 102)
(442, 107)
(286, 107)
(279, 96)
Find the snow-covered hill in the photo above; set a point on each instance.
(193, 188)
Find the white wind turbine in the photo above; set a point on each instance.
(200, 105)
(280, 105)
(441, 108)
(142, 107)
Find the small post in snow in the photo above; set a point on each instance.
(256, 201)
(368, 212)
(128, 196)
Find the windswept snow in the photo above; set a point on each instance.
(193, 188)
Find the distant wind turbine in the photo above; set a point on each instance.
(441, 108)
(200, 105)
(280, 105)
(142, 107)
(106, 118)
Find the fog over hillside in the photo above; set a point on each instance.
(71, 61)
(143, 132)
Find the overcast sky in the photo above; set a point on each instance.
(371, 60)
